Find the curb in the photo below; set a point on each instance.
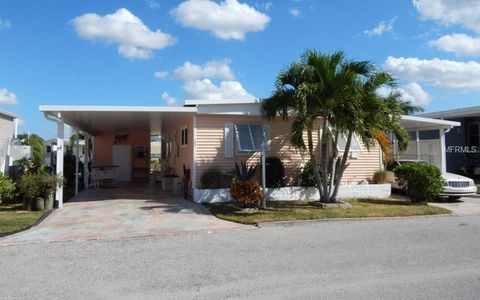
(40, 220)
(314, 221)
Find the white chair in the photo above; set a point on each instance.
(93, 179)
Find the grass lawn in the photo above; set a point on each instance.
(302, 210)
(13, 218)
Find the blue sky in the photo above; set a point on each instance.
(163, 52)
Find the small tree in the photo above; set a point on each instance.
(37, 145)
(343, 95)
(275, 172)
(7, 188)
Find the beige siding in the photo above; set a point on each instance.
(363, 167)
(210, 149)
(179, 155)
(210, 145)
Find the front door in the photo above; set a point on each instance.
(122, 156)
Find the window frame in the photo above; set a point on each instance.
(255, 149)
(184, 136)
(330, 129)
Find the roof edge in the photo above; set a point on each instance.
(94, 108)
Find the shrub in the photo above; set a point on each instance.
(243, 172)
(35, 185)
(307, 178)
(379, 177)
(275, 172)
(7, 188)
(247, 193)
(422, 182)
(212, 178)
(69, 161)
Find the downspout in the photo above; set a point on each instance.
(77, 154)
(443, 155)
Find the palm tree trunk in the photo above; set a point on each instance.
(313, 159)
(341, 169)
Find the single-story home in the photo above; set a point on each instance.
(203, 134)
(462, 144)
(8, 132)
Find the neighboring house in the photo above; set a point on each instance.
(8, 132)
(50, 150)
(200, 135)
(462, 145)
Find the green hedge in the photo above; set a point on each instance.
(422, 182)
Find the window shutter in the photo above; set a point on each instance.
(228, 140)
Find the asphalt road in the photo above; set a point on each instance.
(423, 258)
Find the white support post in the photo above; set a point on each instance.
(443, 159)
(417, 138)
(15, 131)
(77, 154)
(264, 176)
(60, 154)
(193, 172)
(86, 159)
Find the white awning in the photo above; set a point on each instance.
(97, 119)
(422, 123)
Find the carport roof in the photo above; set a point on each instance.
(422, 123)
(97, 119)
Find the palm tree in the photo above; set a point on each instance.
(343, 94)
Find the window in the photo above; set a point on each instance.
(355, 146)
(342, 142)
(251, 137)
(474, 134)
(184, 140)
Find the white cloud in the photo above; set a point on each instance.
(134, 38)
(412, 92)
(451, 12)
(448, 74)
(134, 52)
(168, 99)
(7, 97)
(381, 28)
(206, 89)
(295, 12)
(161, 74)
(458, 43)
(153, 4)
(227, 20)
(219, 69)
(5, 24)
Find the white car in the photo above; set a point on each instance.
(455, 185)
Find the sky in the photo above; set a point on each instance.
(161, 52)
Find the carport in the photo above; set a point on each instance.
(427, 140)
(110, 130)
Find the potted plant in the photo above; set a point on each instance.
(37, 190)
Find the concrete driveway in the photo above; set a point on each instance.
(465, 206)
(131, 211)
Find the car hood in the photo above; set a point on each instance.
(455, 177)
